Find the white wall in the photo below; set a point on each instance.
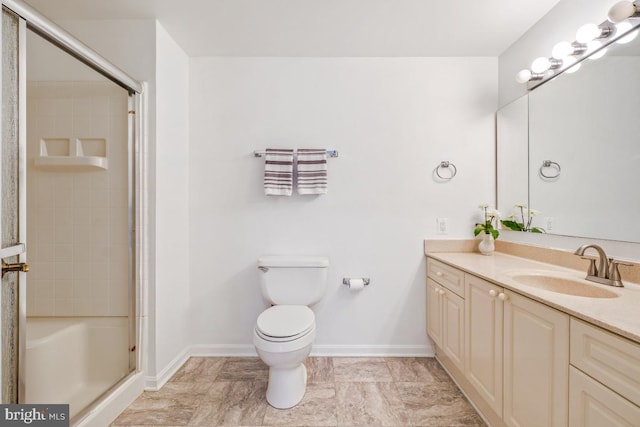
(393, 120)
(172, 317)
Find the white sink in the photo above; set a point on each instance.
(560, 283)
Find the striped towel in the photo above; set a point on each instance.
(312, 171)
(278, 172)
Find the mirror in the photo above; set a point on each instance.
(585, 126)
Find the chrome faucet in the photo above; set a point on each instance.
(607, 272)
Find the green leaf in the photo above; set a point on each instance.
(495, 233)
(512, 225)
(477, 231)
(537, 230)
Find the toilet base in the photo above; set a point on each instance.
(286, 386)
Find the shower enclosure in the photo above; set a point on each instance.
(68, 212)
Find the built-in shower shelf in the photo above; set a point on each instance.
(80, 154)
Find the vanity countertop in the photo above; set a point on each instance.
(619, 315)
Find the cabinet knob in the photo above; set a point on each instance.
(502, 296)
(439, 273)
(441, 292)
(492, 293)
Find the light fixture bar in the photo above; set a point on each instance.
(591, 42)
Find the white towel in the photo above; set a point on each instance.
(278, 172)
(312, 171)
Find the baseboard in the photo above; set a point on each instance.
(155, 383)
(223, 350)
(328, 350)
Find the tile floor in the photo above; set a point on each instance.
(340, 392)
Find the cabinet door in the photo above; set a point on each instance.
(536, 363)
(483, 339)
(434, 312)
(453, 328)
(594, 405)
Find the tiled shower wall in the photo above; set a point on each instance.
(77, 220)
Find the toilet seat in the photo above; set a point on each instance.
(285, 323)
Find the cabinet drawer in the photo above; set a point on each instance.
(593, 405)
(610, 359)
(447, 276)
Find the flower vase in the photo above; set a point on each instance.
(487, 245)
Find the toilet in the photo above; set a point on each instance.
(284, 333)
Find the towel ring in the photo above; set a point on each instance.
(446, 165)
(550, 164)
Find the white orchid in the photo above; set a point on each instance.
(493, 213)
(489, 215)
(527, 215)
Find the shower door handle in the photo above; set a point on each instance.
(18, 266)
(11, 252)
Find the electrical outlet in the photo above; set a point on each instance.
(442, 225)
(548, 223)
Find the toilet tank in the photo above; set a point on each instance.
(294, 280)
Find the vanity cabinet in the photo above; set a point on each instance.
(604, 378)
(516, 354)
(445, 314)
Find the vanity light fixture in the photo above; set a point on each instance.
(591, 42)
(590, 32)
(623, 10)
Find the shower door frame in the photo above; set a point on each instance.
(31, 19)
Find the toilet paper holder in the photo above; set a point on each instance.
(347, 280)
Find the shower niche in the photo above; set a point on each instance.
(77, 154)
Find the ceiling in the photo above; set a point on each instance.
(322, 27)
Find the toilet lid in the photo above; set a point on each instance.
(285, 321)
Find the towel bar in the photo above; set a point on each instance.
(260, 153)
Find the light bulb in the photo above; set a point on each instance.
(540, 65)
(573, 68)
(571, 65)
(622, 28)
(523, 76)
(599, 54)
(592, 47)
(587, 33)
(621, 11)
(628, 38)
(562, 50)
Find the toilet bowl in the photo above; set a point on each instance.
(284, 333)
(283, 338)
